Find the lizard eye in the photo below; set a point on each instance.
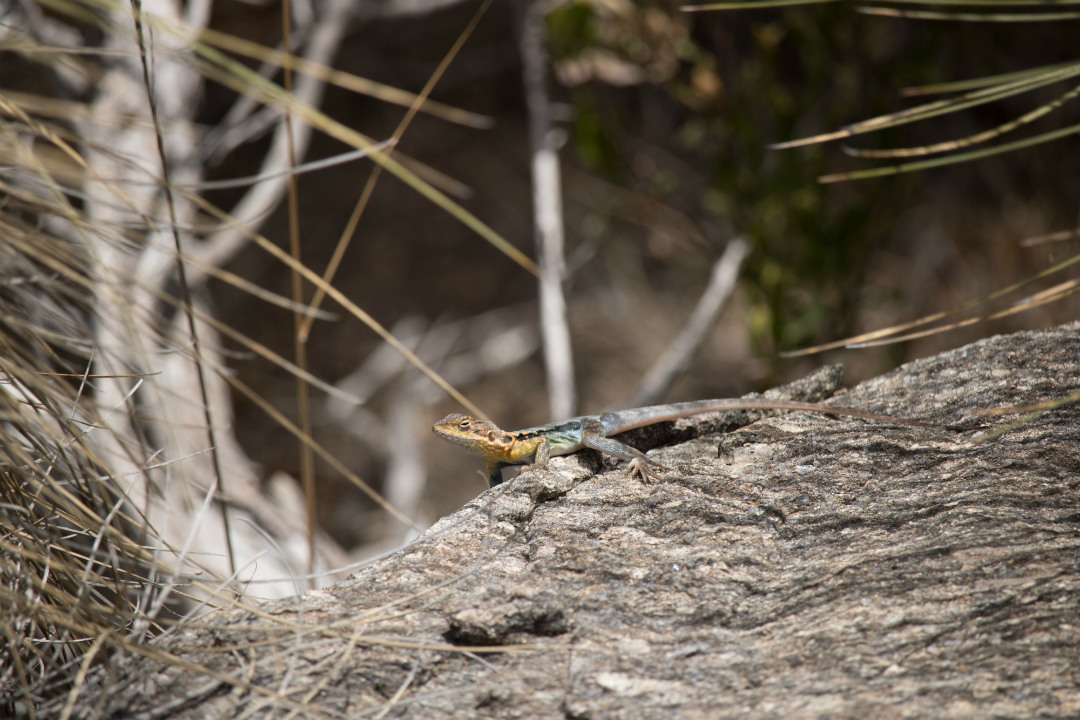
(492, 437)
(464, 424)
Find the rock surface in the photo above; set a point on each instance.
(810, 567)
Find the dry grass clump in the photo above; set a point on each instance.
(111, 492)
(79, 569)
(126, 497)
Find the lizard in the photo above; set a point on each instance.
(536, 445)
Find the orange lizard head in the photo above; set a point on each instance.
(472, 435)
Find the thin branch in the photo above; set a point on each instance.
(547, 212)
(680, 350)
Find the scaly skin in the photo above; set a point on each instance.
(535, 446)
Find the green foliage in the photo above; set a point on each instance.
(779, 73)
(745, 81)
(571, 30)
(593, 137)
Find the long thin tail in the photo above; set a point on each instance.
(618, 422)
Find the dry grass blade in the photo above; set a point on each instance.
(896, 332)
(993, 3)
(981, 96)
(51, 136)
(978, 92)
(792, 3)
(1060, 236)
(369, 187)
(975, 139)
(297, 170)
(968, 17)
(347, 81)
(752, 5)
(1045, 297)
(952, 159)
(188, 305)
(980, 82)
(1028, 413)
(1034, 408)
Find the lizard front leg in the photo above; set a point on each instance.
(593, 437)
(542, 455)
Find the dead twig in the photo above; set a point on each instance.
(679, 351)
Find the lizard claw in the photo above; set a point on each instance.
(638, 467)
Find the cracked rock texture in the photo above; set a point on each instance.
(800, 566)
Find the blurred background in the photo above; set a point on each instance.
(662, 121)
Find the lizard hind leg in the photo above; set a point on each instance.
(594, 438)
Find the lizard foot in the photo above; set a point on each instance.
(639, 468)
(536, 466)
